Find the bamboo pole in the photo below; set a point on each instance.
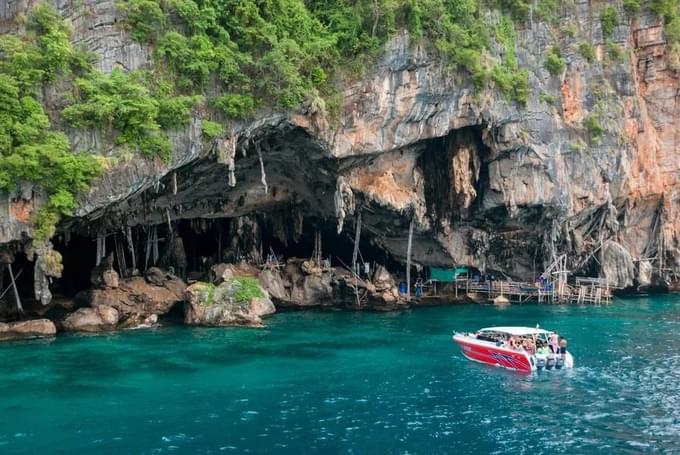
(408, 260)
(10, 286)
(16, 291)
(357, 237)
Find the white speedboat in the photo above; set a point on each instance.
(523, 349)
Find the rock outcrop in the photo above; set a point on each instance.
(235, 301)
(617, 265)
(137, 301)
(23, 330)
(98, 319)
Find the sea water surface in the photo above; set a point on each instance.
(348, 382)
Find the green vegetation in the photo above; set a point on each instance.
(211, 129)
(614, 52)
(207, 292)
(546, 9)
(577, 146)
(236, 106)
(509, 79)
(666, 9)
(593, 127)
(30, 149)
(631, 7)
(669, 11)
(571, 30)
(120, 104)
(554, 62)
(278, 53)
(587, 51)
(238, 289)
(247, 288)
(548, 98)
(609, 19)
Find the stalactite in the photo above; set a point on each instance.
(48, 263)
(298, 223)
(264, 175)
(174, 183)
(154, 245)
(101, 246)
(131, 247)
(226, 154)
(344, 201)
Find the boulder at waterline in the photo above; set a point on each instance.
(138, 300)
(238, 301)
(100, 319)
(22, 330)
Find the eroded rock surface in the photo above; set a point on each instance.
(98, 319)
(137, 300)
(22, 330)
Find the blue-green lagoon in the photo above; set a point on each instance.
(350, 382)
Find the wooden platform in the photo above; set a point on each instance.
(519, 292)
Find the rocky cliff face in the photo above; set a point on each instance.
(487, 182)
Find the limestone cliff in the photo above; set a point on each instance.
(489, 183)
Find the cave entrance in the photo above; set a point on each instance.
(202, 242)
(255, 238)
(456, 173)
(78, 257)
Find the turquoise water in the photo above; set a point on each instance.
(342, 382)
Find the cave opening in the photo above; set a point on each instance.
(457, 173)
(257, 237)
(78, 258)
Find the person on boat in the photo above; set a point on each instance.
(563, 346)
(543, 350)
(553, 343)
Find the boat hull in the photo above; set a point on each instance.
(491, 354)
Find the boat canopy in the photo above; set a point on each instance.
(517, 331)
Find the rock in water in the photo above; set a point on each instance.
(100, 319)
(645, 272)
(382, 279)
(220, 273)
(137, 299)
(617, 265)
(274, 283)
(317, 290)
(501, 300)
(22, 330)
(239, 301)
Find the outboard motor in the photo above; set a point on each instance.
(550, 362)
(540, 362)
(559, 361)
